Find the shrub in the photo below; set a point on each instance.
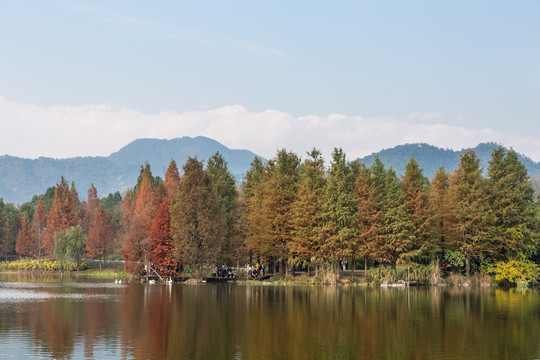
(514, 271)
(42, 265)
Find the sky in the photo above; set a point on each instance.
(84, 78)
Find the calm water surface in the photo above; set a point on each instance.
(75, 319)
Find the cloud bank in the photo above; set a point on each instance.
(98, 130)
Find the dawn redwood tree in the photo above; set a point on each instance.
(89, 208)
(38, 227)
(62, 215)
(398, 228)
(139, 210)
(25, 244)
(100, 235)
(339, 212)
(420, 209)
(369, 213)
(197, 224)
(224, 186)
(278, 188)
(161, 242)
(442, 220)
(470, 209)
(252, 197)
(307, 211)
(172, 179)
(512, 210)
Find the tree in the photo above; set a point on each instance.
(138, 211)
(25, 241)
(397, 232)
(161, 243)
(420, 210)
(8, 227)
(38, 225)
(172, 179)
(369, 213)
(252, 196)
(196, 219)
(225, 189)
(512, 213)
(307, 211)
(63, 214)
(470, 209)
(89, 209)
(339, 211)
(442, 212)
(70, 244)
(100, 235)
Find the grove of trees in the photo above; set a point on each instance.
(290, 213)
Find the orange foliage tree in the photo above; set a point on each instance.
(25, 241)
(139, 210)
(99, 236)
(62, 215)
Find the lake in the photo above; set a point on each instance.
(71, 318)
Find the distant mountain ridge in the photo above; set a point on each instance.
(430, 158)
(23, 178)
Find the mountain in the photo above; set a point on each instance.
(431, 158)
(23, 178)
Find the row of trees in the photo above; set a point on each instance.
(301, 211)
(294, 212)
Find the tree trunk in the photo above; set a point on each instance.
(365, 265)
(352, 267)
(308, 267)
(468, 265)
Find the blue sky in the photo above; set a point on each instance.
(269, 75)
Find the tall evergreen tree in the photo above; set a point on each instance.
(197, 223)
(398, 228)
(369, 213)
(307, 210)
(470, 209)
(442, 213)
(225, 189)
(340, 206)
(420, 210)
(512, 208)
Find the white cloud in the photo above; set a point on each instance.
(66, 131)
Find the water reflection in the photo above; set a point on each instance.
(134, 321)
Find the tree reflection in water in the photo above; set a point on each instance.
(261, 322)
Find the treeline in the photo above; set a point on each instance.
(290, 213)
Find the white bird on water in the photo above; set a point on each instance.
(152, 281)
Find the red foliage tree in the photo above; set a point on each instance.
(99, 236)
(161, 245)
(25, 241)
